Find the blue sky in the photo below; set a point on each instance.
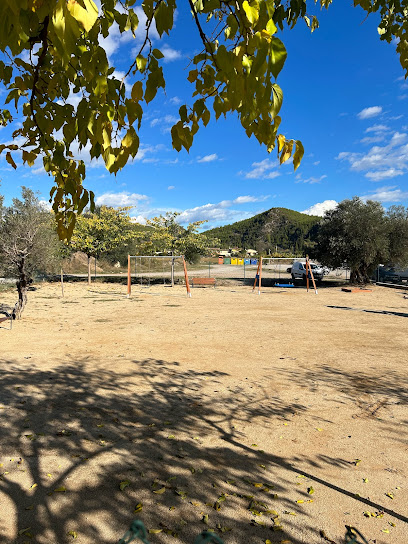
(344, 97)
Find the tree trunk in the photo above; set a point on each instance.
(22, 286)
(89, 270)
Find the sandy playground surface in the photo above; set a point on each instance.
(281, 416)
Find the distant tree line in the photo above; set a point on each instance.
(361, 234)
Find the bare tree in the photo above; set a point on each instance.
(27, 242)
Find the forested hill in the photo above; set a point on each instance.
(287, 229)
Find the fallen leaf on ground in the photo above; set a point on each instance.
(160, 491)
(123, 485)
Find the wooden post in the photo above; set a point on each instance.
(311, 275)
(186, 277)
(62, 283)
(307, 273)
(129, 279)
(258, 276)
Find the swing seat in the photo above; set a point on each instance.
(202, 282)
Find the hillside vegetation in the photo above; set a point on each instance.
(277, 227)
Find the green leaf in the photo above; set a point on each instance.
(277, 56)
(10, 160)
(157, 54)
(137, 91)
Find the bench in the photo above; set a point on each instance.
(202, 281)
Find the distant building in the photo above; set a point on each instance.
(251, 252)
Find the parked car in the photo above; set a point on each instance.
(298, 271)
(390, 274)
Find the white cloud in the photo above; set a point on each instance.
(139, 219)
(372, 139)
(377, 128)
(170, 54)
(248, 198)
(208, 158)
(387, 194)
(45, 205)
(261, 170)
(368, 113)
(380, 162)
(147, 150)
(220, 212)
(165, 122)
(120, 199)
(316, 163)
(321, 208)
(312, 180)
(170, 187)
(379, 175)
(175, 100)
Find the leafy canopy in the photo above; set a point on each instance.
(102, 231)
(166, 235)
(363, 235)
(51, 49)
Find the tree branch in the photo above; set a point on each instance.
(43, 39)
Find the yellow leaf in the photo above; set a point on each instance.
(160, 491)
(281, 141)
(155, 531)
(87, 17)
(60, 489)
(33, 486)
(123, 485)
(300, 501)
(252, 12)
(73, 534)
(138, 507)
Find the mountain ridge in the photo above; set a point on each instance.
(281, 228)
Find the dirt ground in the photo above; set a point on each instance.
(279, 417)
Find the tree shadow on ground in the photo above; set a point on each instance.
(82, 446)
(383, 312)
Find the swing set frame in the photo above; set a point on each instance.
(309, 275)
(149, 258)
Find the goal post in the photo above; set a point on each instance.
(143, 267)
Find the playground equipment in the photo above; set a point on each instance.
(258, 275)
(144, 265)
